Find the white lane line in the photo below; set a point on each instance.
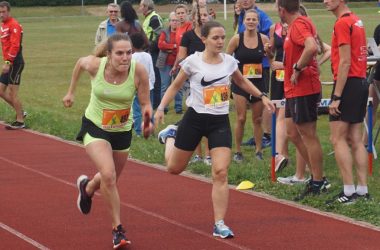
(133, 207)
(22, 236)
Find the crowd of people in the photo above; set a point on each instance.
(140, 67)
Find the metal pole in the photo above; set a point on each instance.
(225, 9)
(82, 8)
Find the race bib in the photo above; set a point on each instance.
(115, 118)
(253, 70)
(280, 74)
(216, 96)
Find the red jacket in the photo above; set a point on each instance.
(11, 38)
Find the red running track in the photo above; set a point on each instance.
(38, 207)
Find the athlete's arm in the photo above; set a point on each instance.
(89, 64)
(182, 54)
(326, 53)
(169, 95)
(233, 44)
(143, 92)
(307, 55)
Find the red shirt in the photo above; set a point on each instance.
(11, 37)
(308, 80)
(181, 30)
(349, 30)
(170, 47)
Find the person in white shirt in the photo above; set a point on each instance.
(145, 59)
(207, 115)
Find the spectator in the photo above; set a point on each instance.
(107, 27)
(130, 22)
(145, 59)
(152, 27)
(302, 89)
(348, 100)
(11, 39)
(166, 58)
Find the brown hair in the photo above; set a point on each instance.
(290, 6)
(106, 46)
(206, 28)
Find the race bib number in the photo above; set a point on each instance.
(280, 75)
(115, 118)
(252, 71)
(216, 96)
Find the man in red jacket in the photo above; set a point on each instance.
(11, 38)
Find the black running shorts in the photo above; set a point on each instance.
(302, 109)
(194, 126)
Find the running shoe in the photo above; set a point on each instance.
(169, 132)
(259, 156)
(249, 142)
(222, 231)
(196, 159)
(238, 157)
(119, 238)
(84, 201)
(207, 161)
(341, 198)
(280, 162)
(292, 180)
(366, 196)
(15, 125)
(266, 142)
(311, 189)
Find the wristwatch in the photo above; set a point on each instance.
(295, 67)
(263, 94)
(336, 98)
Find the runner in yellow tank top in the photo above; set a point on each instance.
(106, 126)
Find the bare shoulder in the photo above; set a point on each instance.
(90, 63)
(264, 38)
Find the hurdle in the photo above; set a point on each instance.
(324, 103)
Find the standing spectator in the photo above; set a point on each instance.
(152, 27)
(166, 58)
(130, 22)
(248, 48)
(145, 59)
(237, 10)
(207, 115)
(348, 99)
(264, 25)
(107, 27)
(11, 40)
(106, 124)
(302, 89)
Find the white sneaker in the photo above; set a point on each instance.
(292, 180)
(196, 159)
(207, 161)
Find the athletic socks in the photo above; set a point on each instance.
(349, 190)
(361, 190)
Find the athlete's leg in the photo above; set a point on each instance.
(257, 115)
(359, 153)
(176, 159)
(241, 111)
(339, 135)
(16, 103)
(220, 157)
(101, 154)
(308, 132)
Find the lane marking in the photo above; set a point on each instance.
(133, 207)
(23, 236)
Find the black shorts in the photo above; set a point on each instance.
(194, 126)
(302, 109)
(266, 79)
(353, 105)
(276, 88)
(13, 76)
(377, 72)
(259, 83)
(118, 140)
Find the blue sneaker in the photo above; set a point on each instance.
(266, 142)
(169, 132)
(222, 231)
(249, 142)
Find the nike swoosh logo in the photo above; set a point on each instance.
(206, 83)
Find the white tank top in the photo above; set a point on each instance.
(209, 83)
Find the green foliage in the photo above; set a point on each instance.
(54, 38)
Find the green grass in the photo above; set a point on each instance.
(55, 38)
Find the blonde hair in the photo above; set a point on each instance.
(105, 47)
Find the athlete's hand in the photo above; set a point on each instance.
(294, 77)
(6, 68)
(276, 65)
(334, 108)
(147, 126)
(159, 117)
(268, 104)
(68, 100)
